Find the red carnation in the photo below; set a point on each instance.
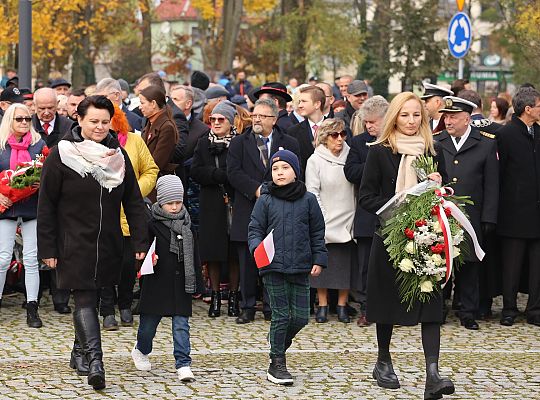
(448, 212)
(45, 151)
(420, 222)
(435, 210)
(409, 233)
(438, 248)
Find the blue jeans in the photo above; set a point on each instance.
(180, 330)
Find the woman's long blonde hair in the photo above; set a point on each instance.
(6, 128)
(388, 135)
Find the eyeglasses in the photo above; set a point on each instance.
(335, 135)
(220, 120)
(262, 117)
(21, 119)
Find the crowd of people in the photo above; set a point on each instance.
(208, 169)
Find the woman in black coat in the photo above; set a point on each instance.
(388, 170)
(209, 169)
(84, 181)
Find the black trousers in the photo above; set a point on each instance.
(249, 279)
(108, 295)
(513, 253)
(363, 246)
(469, 291)
(60, 297)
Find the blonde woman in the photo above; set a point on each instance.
(388, 170)
(325, 178)
(19, 142)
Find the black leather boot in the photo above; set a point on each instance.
(215, 304)
(78, 359)
(32, 316)
(322, 314)
(277, 371)
(436, 386)
(233, 309)
(385, 375)
(342, 314)
(87, 330)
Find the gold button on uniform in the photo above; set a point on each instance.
(456, 162)
(454, 179)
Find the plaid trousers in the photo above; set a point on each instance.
(289, 301)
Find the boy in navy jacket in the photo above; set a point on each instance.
(294, 216)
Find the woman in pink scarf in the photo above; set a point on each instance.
(19, 142)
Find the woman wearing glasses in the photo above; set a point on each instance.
(19, 142)
(209, 169)
(160, 133)
(326, 180)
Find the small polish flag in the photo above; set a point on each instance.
(264, 253)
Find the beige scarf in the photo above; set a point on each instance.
(106, 165)
(409, 147)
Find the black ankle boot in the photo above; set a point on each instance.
(342, 314)
(277, 371)
(436, 386)
(32, 316)
(215, 304)
(233, 309)
(87, 330)
(385, 376)
(322, 314)
(78, 359)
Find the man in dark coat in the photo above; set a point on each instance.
(311, 101)
(357, 93)
(51, 126)
(519, 203)
(372, 115)
(277, 91)
(242, 86)
(471, 164)
(247, 169)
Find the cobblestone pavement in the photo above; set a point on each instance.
(329, 361)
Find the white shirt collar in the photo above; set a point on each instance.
(464, 137)
(51, 125)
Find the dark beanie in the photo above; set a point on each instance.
(289, 157)
(200, 80)
(169, 188)
(154, 92)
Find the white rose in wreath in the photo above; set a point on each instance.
(426, 286)
(456, 252)
(409, 248)
(406, 265)
(437, 259)
(437, 227)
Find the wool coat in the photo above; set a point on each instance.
(163, 292)
(383, 303)
(364, 222)
(79, 222)
(519, 166)
(213, 223)
(326, 180)
(62, 127)
(246, 172)
(298, 231)
(302, 133)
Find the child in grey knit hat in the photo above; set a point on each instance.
(168, 291)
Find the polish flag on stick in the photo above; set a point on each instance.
(264, 253)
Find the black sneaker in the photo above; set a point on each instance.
(32, 316)
(277, 371)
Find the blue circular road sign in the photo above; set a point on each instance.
(459, 35)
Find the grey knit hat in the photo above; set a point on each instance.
(227, 109)
(169, 188)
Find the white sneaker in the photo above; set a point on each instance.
(142, 363)
(185, 374)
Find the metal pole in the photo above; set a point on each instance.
(461, 65)
(25, 44)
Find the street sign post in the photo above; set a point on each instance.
(459, 38)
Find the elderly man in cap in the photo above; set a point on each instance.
(61, 86)
(433, 102)
(277, 92)
(46, 120)
(470, 157)
(519, 208)
(357, 93)
(8, 97)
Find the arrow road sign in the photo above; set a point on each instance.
(459, 35)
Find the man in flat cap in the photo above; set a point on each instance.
(433, 102)
(357, 93)
(470, 158)
(61, 86)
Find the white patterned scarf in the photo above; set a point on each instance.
(106, 165)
